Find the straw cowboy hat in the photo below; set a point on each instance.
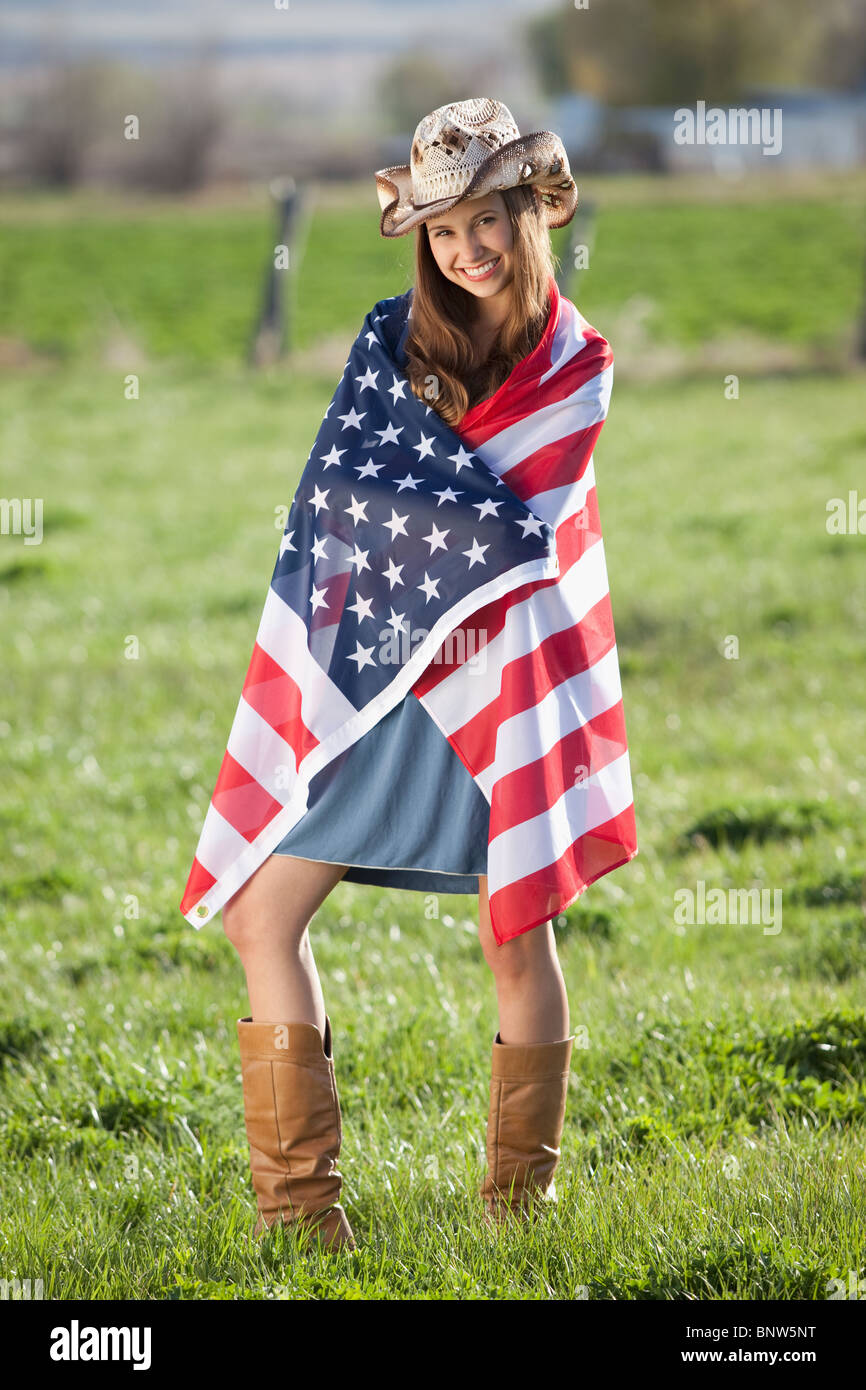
(468, 148)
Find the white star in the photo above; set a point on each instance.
(286, 543)
(368, 379)
(318, 548)
(395, 525)
(396, 621)
(353, 419)
(392, 573)
(362, 656)
(370, 335)
(476, 553)
(530, 524)
(360, 559)
(408, 481)
(430, 587)
(369, 469)
(333, 456)
(397, 389)
(318, 499)
(389, 435)
(425, 447)
(362, 606)
(358, 510)
(486, 508)
(436, 539)
(461, 458)
(317, 600)
(446, 495)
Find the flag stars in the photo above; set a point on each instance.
(369, 469)
(318, 499)
(436, 539)
(317, 598)
(363, 607)
(398, 389)
(446, 495)
(362, 656)
(430, 587)
(476, 554)
(368, 379)
(286, 543)
(486, 508)
(392, 573)
(318, 548)
(352, 421)
(359, 558)
(332, 457)
(461, 459)
(531, 525)
(358, 510)
(425, 446)
(396, 525)
(396, 622)
(389, 434)
(408, 481)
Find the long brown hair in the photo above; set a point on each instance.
(443, 366)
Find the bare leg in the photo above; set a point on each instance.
(267, 922)
(530, 989)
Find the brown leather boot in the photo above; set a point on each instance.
(528, 1088)
(294, 1127)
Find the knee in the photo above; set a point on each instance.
(249, 929)
(514, 961)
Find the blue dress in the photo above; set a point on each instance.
(399, 808)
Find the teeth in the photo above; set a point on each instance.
(480, 269)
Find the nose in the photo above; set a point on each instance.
(473, 249)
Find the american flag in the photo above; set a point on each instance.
(468, 567)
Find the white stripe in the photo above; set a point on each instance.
(219, 843)
(467, 691)
(533, 732)
(283, 636)
(583, 408)
(263, 753)
(556, 504)
(568, 340)
(525, 848)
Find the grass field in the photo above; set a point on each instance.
(714, 1141)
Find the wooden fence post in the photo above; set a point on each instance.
(273, 335)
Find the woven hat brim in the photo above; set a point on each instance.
(503, 169)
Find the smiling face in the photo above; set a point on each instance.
(473, 245)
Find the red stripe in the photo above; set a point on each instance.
(530, 790)
(527, 679)
(556, 464)
(526, 903)
(525, 397)
(197, 885)
(241, 800)
(272, 693)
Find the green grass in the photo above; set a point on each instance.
(184, 282)
(714, 1140)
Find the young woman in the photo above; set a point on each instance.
(480, 200)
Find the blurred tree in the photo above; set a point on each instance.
(60, 117)
(413, 85)
(674, 51)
